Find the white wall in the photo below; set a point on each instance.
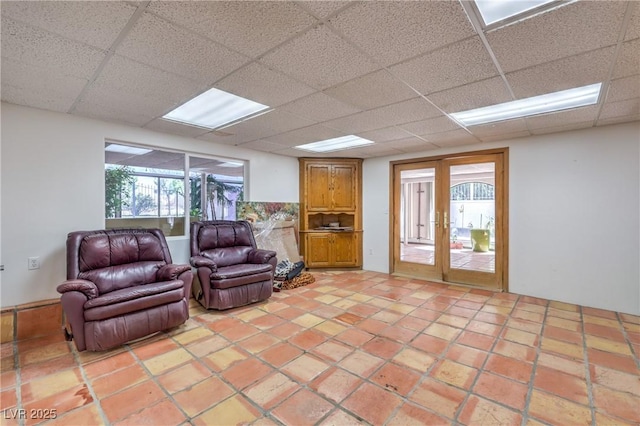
(574, 211)
(52, 181)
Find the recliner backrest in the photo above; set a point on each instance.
(116, 259)
(224, 242)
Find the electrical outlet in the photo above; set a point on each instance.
(33, 263)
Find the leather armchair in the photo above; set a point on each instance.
(231, 270)
(121, 285)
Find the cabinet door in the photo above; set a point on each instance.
(317, 187)
(318, 248)
(343, 185)
(344, 249)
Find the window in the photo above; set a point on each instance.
(145, 188)
(469, 191)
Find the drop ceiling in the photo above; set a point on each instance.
(389, 71)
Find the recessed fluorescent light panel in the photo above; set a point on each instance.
(127, 149)
(214, 108)
(551, 102)
(335, 144)
(497, 10)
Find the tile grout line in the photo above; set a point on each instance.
(628, 341)
(587, 370)
(83, 374)
(18, 367)
(534, 369)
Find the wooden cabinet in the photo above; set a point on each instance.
(331, 192)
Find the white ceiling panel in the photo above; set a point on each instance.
(371, 91)
(263, 85)
(220, 137)
(320, 58)
(475, 95)
(505, 136)
(460, 63)
(163, 45)
(562, 128)
(123, 74)
(292, 152)
(319, 107)
(633, 30)
(250, 27)
(263, 145)
(620, 109)
(567, 73)
(265, 125)
(628, 62)
(307, 135)
(493, 129)
(452, 138)
(33, 46)
(165, 126)
(392, 31)
(624, 88)
(409, 143)
(147, 105)
(103, 111)
(618, 120)
(569, 30)
(385, 135)
(578, 115)
(430, 126)
(39, 87)
(97, 24)
(322, 9)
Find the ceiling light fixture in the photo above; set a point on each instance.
(551, 102)
(213, 109)
(335, 144)
(493, 11)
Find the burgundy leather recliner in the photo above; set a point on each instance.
(121, 285)
(231, 270)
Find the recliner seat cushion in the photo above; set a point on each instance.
(126, 301)
(237, 275)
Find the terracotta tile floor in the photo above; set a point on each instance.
(352, 348)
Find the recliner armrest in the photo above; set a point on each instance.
(172, 271)
(261, 256)
(201, 261)
(88, 288)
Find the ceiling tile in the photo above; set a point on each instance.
(410, 144)
(505, 136)
(263, 145)
(470, 96)
(265, 125)
(493, 129)
(574, 28)
(165, 126)
(322, 9)
(460, 63)
(371, 91)
(319, 58)
(567, 73)
(562, 128)
(624, 88)
(158, 43)
(29, 45)
(633, 30)
(392, 31)
(319, 107)
(39, 87)
(430, 126)
(387, 116)
(385, 135)
(620, 109)
(307, 135)
(263, 85)
(628, 62)
(375, 150)
(123, 74)
(251, 27)
(452, 138)
(577, 115)
(96, 23)
(220, 137)
(292, 152)
(618, 120)
(128, 102)
(102, 111)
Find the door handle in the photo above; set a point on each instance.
(446, 221)
(437, 219)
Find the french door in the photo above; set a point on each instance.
(449, 219)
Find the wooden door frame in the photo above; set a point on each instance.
(504, 201)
